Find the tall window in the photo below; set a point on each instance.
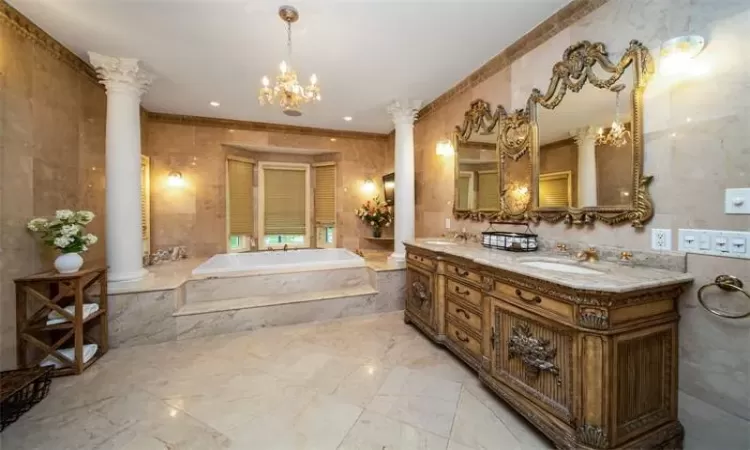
(284, 208)
(488, 196)
(325, 205)
(240, 204)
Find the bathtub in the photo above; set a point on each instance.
(279, 261)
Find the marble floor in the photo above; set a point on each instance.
(367, 382)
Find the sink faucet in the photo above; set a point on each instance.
(588, 255)
(286, 247)
(460, 235)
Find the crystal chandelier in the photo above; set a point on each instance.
(617, 135)
(287, 91)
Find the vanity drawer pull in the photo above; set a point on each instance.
(535, 299)
(467, 292)
(461, 273)
(464, 339)
(463, 311)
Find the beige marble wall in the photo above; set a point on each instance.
(52, 127)
(692, 161)
(195, 215)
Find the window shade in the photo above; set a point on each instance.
(554, 191)
(488, 196)
(146, 204)
(284, 201)
(325, 195)
(463, 191)
(240, 197)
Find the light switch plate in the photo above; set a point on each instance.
(661, 239)
(447, 223)
(737, 201)
(730, 244)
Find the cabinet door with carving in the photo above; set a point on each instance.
(534, 356)
(420, 298)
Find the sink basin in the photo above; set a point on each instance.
(439, 242)
(561, 267)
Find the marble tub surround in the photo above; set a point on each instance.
(612, 277)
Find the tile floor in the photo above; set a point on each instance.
(361, 383)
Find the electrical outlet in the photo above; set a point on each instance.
(661, 239)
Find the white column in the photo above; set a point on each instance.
(403, 113)
(586, 140)
(125, 81)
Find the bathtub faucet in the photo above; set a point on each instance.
(286, 247)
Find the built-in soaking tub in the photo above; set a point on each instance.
(278, 261)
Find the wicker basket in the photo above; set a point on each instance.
(510, 241)
(20, 390)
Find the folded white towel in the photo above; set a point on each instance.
(89, 350)
(54, 317)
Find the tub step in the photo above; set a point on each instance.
(251, 313)
(270, 300)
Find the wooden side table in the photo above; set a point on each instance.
(40, 294)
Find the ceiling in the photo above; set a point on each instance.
(365, 53)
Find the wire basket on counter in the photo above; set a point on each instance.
(508, 240)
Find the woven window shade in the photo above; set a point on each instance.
(463, 191)
(325, 195)
(284, 201)
(240, 197)
(554, 191)
(488, 196)
(145, 203)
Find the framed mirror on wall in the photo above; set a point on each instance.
(586, 139)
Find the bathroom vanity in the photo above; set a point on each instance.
(587, 352)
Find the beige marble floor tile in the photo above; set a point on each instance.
(374, 431)
(453, 445)
(478, 427)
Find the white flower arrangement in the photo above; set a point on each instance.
(65, 231)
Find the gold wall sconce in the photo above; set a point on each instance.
(175, 179)
(444, 147)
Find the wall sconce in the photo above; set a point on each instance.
(677, 55)
(174, 179)
(368, 186)
(444, 147)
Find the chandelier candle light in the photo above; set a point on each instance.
(287, 91)
(617, 135)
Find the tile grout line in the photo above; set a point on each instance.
(455, 415)
(350, 429)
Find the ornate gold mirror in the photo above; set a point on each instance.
(586, 138)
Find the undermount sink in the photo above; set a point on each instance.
(561, 267)
(439, 243)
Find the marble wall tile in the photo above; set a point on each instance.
(143, 318)
(692, 161)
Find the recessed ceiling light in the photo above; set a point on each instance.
(348, 118)
(215, 104)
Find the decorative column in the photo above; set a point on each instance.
(586, 140)
(403, 113)
(125, 82)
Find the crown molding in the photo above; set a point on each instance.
(563, 18)
(261, 126)
(19, 23)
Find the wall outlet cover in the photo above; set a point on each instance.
(661, 239)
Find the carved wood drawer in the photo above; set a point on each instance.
(464, 292)
(533, 301)
(464, 315)
(460, 273)
(421, 260)
(463, 339)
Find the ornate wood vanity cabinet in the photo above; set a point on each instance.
(590, 369)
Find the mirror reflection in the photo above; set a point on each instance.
(516, 179)
(586, 148)
(477, 177)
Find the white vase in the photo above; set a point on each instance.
(68, 263)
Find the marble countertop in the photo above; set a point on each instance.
(612, 277)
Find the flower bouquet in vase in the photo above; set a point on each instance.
(66, 233)
(376, 214)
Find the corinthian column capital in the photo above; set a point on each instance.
(403, 112)
(121, 74)
(584, 135)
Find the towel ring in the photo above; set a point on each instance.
(726, 283)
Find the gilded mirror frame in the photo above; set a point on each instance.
(572, 73)
(478, 119)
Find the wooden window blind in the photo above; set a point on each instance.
(325, 195)
(284, 201)
(554, 190)
(463, 191)
(240, 174)
(488, 196)
(146, 204)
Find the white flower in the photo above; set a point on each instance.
(90, 239)
(38, 224)
(64, 214)
(62, 241)
(84, 248)
(84, 217)
(69, 230)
